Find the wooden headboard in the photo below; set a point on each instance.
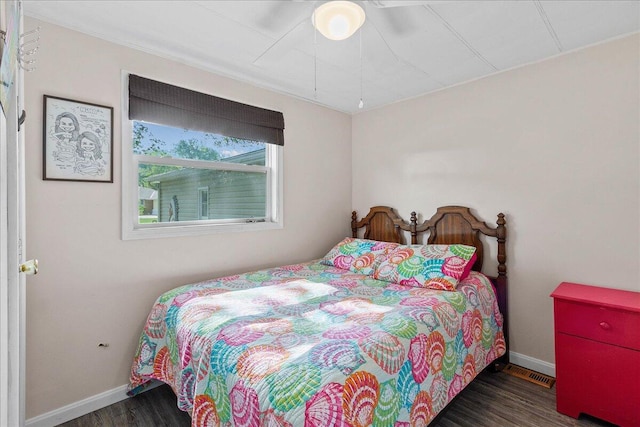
(449, 225)
(381, 223)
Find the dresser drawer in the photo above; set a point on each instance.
(604, 324)
(598, 379)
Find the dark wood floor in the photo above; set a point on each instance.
(492, 400)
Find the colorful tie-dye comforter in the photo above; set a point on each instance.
(314, 345)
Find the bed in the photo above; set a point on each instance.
(340, 341)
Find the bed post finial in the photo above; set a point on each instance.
(501, 232)
(354, 226)
(413, 225)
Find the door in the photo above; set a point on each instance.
(12, 283)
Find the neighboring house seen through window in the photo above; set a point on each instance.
(197, 167)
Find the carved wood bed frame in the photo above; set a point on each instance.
(449, 225)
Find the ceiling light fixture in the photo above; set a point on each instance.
(338, 20)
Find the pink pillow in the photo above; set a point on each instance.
(469, 267)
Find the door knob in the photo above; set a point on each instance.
(29, 267)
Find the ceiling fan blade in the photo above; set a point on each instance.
(397, 21)
(297, 28)
(281, 13)
(400, 3)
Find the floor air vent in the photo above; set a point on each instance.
(529, 375)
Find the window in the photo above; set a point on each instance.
(182, 166)
(203, 202)
(194, 163)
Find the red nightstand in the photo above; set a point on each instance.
(597, 336)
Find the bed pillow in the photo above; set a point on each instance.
(438, 267)
(358, 255)
(469, 266)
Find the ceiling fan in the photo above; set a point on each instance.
(292, 16)
(396, 14)
(340, 19)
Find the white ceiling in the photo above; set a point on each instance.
(409, 48)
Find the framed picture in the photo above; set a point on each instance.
(78, 141)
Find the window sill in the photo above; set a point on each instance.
(136, 232)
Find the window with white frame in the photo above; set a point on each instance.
(197, 163)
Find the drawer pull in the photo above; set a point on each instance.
(605, 326)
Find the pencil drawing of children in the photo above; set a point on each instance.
(66, 131)
(89, 155)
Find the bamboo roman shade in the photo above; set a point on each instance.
(162, 103)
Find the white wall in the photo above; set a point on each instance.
(553, 145)
(93, 287)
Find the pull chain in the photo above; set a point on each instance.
(315, 61)
(361, 103)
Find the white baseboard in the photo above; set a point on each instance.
(82, 407)
(532, 363)
(109, 397)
